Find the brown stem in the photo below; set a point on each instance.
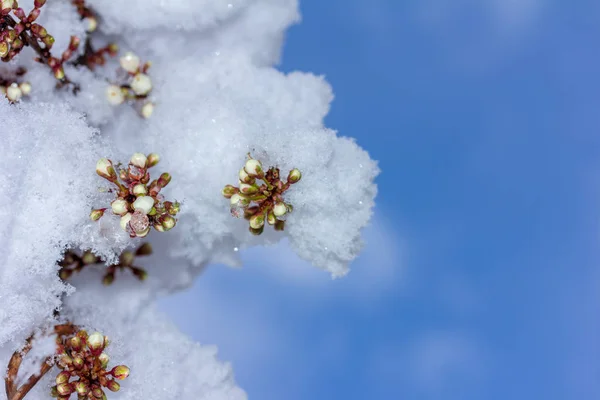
(14, 392)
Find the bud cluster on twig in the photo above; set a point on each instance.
(137, 86)
(260, 203)
(139, 202)
(84, 368)
(73, 263)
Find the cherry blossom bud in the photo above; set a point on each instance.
(153, 159)
(3, 49)
(63, 377)
(229, 191)
(140, 189)
(279, 209)
(143, 204)
(271, 218)
(76, 343)
(119, 207)
(25, 88)
(64, 389)
(98, 393)
(164, 180)
(147, 110)
(82, 388)
(253, 167)
(59, 73)
(294, 176)
(89, 258)
(130, 62)
(143, 233)
(113, 386)
(257, 221)
(104, 359)
(39, 3)
(114, 95)
(105, 169)
(244, 177)
(95, 342)
(248, 189)
(141, 84)
(78, 362)
(125, 221)
(120, 372)
(7, 4)
(168, 223)
(139, 160)
(13, 92)
(95, 215)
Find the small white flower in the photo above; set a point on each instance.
(119, 207)
(139, 160)
(141, 84)
(143, 204)
(147, 110)
(253, 167)
(13, 92)
(125, 221)
(130, 62)
(114, 95)
(279, 209)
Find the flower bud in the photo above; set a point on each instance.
(244, 177)
(130, 62)
(89, 258)
(236, 199)
(95, 215)
(78, 362)
(159, 227)
(82, 388)
(63, 377)
(76, 343)
(64, 389)
(229, 191)
(147, 110)
(105, 169)
(164, 180)
(153, 159)
(256, 231)
(92, 24)
(59, 73)
(113, 386)
(104, 359)
(141, 84)
(253, 167)
(98, 393)
(114, 95)
(126, 258)
(13, 92)
(294, 176)
(120, 372)
(95, 342)
(143, 204)
(139, 160)
(139, 273)
(144, 250)
(168, 222)
(7, 4)
(279, 209)
(39, 3)
(125, 221)
(140, 189)
(119, 207)
(279, 225)
(257, 221)
(25, 88)
(108, 279)
(3, 49)
(143, 233)
(248, 189)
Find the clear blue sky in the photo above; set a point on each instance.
(480, 279)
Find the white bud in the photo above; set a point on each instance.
(244, 177)
(105, 169)
(279, 209)
(96, 341)
(253, 167)
(125, 221)
(143, 204)
(92, 24)
(235, 199)
(7, 4)
(140, 189)
(25, 88)
(130, 62)
(119, 207)
(143, 233)
(139, 160)
(141, 84)
(13, 92)
(147, 110)
(114, 95)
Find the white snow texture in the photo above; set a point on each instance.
(218, 97)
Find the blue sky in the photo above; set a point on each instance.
(480, 278)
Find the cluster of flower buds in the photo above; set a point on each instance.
(137, 88)
(138, 202)
(260, 203)
(56, 64)
(84, 368)
(14, 91)
(15, 34)
(73, 263)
